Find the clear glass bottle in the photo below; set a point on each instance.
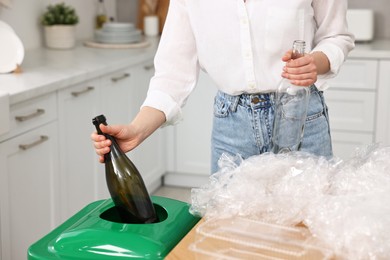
(291, 103)
(125, 183)
(101, 15)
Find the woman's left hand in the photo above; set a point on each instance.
(301, 71)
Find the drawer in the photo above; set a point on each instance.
(356, 74)
(4, 113)
(346, 143)
(30, 114)
(351, 110)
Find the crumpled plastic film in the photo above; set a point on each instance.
(353, 216)
(345, 204)
(271, 187)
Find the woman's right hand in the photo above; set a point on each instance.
(125, 136)
(128, 136)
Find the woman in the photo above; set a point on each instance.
(243, 46)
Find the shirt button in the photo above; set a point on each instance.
(251, 85)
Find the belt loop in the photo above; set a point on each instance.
(272, 96)
(234, 104)
(313, 88)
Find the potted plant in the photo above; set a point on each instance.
(59, 23)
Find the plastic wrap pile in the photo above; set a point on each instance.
(345, 204)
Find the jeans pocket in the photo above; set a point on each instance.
(316, 106)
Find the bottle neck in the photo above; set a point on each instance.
(298, 49)
(101, 8)
(115, 149)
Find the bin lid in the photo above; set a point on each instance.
(94, 233)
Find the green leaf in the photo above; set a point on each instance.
(59, 14)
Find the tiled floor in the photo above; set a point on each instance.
(183, 194)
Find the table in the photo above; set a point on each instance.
(181, 251)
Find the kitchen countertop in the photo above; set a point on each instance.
(379, 49)
(45, 70)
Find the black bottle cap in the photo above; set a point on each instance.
(101, 119)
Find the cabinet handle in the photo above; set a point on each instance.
(125, 75)
(149, 67)
(42, 139)
(30, 116)
(78, 93)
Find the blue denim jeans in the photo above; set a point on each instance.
(243, 125)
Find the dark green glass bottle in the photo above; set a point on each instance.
(125, 183)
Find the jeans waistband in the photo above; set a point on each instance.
(253, 100)
(256, 100)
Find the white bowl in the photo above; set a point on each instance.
(118, 27)
(128, 37)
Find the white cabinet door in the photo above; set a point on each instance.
(356, 74)
(191, 139)
(382, 134)
(79, 178)
(115, 97)
(115, 103)
(122, 95)
(351, 99)
(29, 189)
(150, 156)
(351, 110)
(346, 143)
(193, 134)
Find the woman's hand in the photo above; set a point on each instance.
(129, 136)
(125, 135)
(304, 70)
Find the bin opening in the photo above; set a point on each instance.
(115, 214)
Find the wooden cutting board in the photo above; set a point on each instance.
(135, 45)
(162, 10)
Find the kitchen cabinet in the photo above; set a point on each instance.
(122, 95)
(118, 96)
(4, 108)
(191, 138)
(77, 106)
(29, 179)
(114, 102)
(382, 134)
(150, 155)
(351, 100)
(48, 166)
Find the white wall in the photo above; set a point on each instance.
(127, 11)
(382, 19)
(23, 16)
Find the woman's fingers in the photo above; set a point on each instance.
(301, 72)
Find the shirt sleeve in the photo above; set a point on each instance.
(176, 65)
(332, 36)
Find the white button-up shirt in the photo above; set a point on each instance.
(240, 45)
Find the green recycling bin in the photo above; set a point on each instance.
(97, 233)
